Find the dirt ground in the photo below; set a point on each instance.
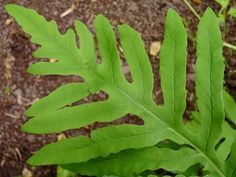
(18, 89)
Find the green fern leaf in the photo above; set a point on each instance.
(230, 163)
(173, 57)
(209, 80)
(230, 107)
(124, 97)
(130, 162)
(161, 122)
(223, 3)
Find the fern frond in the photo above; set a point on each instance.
(161, 122)
(130, 162)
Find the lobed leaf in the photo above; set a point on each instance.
(56, 99)
(230, 163)
(138, 62)
(209, 79)
(160, 122)
(230, 107)
(75, 117)
(123, 95)
(130, 162)
(223, 3)
(232, 12)
(173, 67)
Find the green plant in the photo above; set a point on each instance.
(6, 89)
(224, 4)
(164, 141)
(224, 10)
(232, 12)
(61, 172)
(222, 16)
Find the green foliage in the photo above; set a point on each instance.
(229, 104)
(223, 3)
(128, 150)
(224, 12)
(6, 89)
(157, 158)
(232, 12)
(61, 172)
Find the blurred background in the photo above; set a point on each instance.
(18, 89)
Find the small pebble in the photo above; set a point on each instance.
(26, 173)
(155, 48)
(61, 136)
(8, 22)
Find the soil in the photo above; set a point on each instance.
(19, 89)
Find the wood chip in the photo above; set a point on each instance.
(155, 48)
(18, 153)
(18, 94)
(52, 60)
(61, 136)
(2, 162)
(8, 63)
(31, 102)
(120, 49)
(68, 11)
(8, 22)
(11, 115)
(198, 1)
(26, 173)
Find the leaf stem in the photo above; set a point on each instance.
(225, 44)
(192, 9)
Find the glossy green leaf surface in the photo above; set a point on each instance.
(223, 3)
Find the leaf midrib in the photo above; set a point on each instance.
(152, 114)
(102, 141)
(210, 87)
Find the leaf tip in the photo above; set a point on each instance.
(12, 9)
(209, 12)
(126, 29)
(77, 23)
(9, 7)
(31, 161)
(31, 69)
(171, 11)
(100, 16)
(100, 19)
(123, 27)
(29, 113)
(25, 128)
(173, 15)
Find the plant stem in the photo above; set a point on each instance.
(225, 24)
(225, 44)
(221, 10)
(192, 9)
